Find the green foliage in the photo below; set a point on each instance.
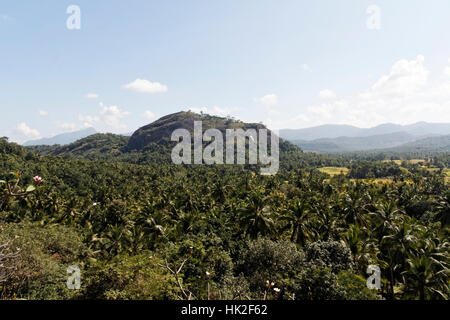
(315, 283)
(329, 254)
(206, 261)
(366, 170)
(127, 277)
(45, 252)
(355, 287)
(265, 260)
(227, 229)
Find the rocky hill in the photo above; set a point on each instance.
(161, 130)
(151, 143)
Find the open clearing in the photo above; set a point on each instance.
(334, 171)
(411, 161)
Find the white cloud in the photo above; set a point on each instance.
(43, 113)
(403, 95)
(66, 126)
(109, 116)
(92, 96)
(327, 94)
(199, 110)
(216, 110)
(112, 115)
(25, 131)
(223, 112)
(88, 121)
(306, 67)
(406, 77)
(145, 86)
(269, 100)
(149, 115)
(447, 69)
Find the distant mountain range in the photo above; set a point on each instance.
(152, 141)
(61, 139)
(345, 138)
(331, 131)
(431, 144)
(420, 136)
(66, 138)
(348, 144)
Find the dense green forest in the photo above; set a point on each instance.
(140, 227)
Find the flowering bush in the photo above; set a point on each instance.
(13, 190)
(37, 180)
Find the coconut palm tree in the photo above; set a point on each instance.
(428, 266)
(385, 218)
(443, 208)
(296, 216)
(256, 217)
(363, 248)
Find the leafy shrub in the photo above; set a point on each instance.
(205, 262)
(270, 260)
(45, 253)
(316, 283)
(329, 254)
(355, 287)
(127, 277)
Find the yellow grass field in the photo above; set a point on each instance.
(423, 161)
(412, 161)
(334, 171)
(447, 175)
(382, 181)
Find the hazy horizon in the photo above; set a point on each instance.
(325, 124)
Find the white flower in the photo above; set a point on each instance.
(37, 180)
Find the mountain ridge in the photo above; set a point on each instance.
(162, 129)
(331, 131)
(152, 141)
(158, 133)
(351, 144)
(63, 138)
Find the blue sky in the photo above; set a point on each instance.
(289, 64)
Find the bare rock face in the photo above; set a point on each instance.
(161, 130)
